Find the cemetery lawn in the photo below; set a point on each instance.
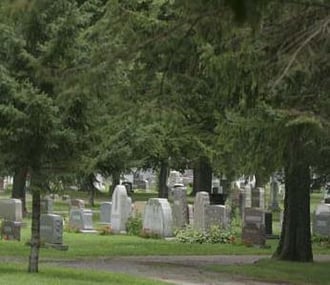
(13, 274)
(316, 273)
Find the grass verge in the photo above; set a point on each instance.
(13, 274)
(316, 273)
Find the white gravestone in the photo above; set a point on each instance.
(82, 219)
(121, 209)
(190, 214)
(247, 190)
(158, 217)
(105, 212)
(51, 228)
(202, 201)
(11, 209)
(258, 198)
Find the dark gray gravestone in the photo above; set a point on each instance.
(11, 230)
(105, 212)
(253, 232)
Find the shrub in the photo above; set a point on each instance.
(323, 241)
(134, 224)
(214, 235)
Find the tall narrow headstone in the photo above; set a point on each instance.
(158, 217)
(202, 200)
(190, 214)
(274, 191)
(120, 210)
(179, 207)
(247, 190)
(258, 198)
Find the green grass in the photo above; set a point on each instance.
(316, 273)
(95, 245)
(13, 274)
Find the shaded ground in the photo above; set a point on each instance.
(180, 270)
(183, 270)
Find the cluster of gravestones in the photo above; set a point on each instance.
(161, 216)
(256, 226)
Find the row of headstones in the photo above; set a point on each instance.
(162, 216)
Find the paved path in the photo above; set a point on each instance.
(180, 270)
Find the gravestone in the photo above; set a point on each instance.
(258, 198)
(179, 207)
(10, 230)
(51, 228)
(82, 220)
(190, 214)
(121, 209)
(202, 200)
(77, 203)
(217, 215)
(46, 206)
(274, 192)
(253, 232)
(247, 200)
(105, 212)
(11, 209)
(158, 217)
(321, 221)
(2, 184)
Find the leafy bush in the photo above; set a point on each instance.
(214, 235)
(323, 241)
(134, 224)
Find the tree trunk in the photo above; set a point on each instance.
(115, 181)
(89, 183)
(35, 232)
(202, 176)
(19, 187)
(295, 242)
(162, 179)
